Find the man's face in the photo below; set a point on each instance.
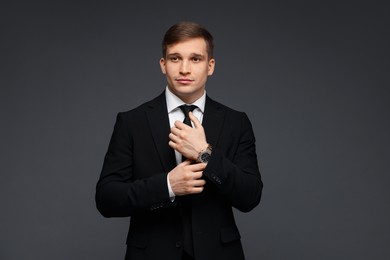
(187, 67)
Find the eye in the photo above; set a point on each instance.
(174, 58)
(196, 59)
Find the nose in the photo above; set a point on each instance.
(185, 67)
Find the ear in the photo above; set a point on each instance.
(211, 67)
(162, 66)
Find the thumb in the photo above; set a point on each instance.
(186, 162)
(195, 120)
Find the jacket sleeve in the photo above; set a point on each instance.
(118, 193)
(237, 176)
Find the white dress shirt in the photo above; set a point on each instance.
(175, 114)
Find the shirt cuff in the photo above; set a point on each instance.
(171, 194)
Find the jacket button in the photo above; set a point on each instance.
(178, 244)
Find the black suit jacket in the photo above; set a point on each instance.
(133, 182)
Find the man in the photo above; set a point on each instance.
(179, 163)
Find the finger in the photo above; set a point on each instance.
(196, 175)
(175, 146)
(175, 130)
(186, 162)
(198, 183)
(174, 138)
(198, 167)
(195, 120)
(181, 125)
(195, 190)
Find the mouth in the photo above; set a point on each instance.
(184, 81)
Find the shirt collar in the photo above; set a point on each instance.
(174, 101)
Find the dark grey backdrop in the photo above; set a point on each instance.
(312, 76)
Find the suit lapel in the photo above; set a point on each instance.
(213, 119)
(159, 126)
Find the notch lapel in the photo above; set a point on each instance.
(159, 126)
(213, 121)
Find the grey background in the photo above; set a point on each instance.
(312, 76)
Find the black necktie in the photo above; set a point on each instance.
(186, 200)
(186, 110)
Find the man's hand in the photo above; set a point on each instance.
(187, 140)
(185, 178)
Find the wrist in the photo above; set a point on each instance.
(170, 191)
(202, 147)
(197, 150)
(205, 154)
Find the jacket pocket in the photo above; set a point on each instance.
(229, 234)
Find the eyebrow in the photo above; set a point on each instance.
(173, 54)
(197, 55)
(192, 54)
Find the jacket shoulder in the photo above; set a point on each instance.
(228, 110)
(141, 109)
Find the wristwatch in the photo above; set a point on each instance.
(204, 155)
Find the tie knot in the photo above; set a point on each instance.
(187, 108)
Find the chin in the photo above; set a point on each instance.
(184, 90)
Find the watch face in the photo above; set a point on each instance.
(205, 157)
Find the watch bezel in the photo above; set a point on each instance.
(205, 155)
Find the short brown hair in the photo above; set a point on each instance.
(184, 31)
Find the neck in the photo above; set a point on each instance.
(189, 99)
